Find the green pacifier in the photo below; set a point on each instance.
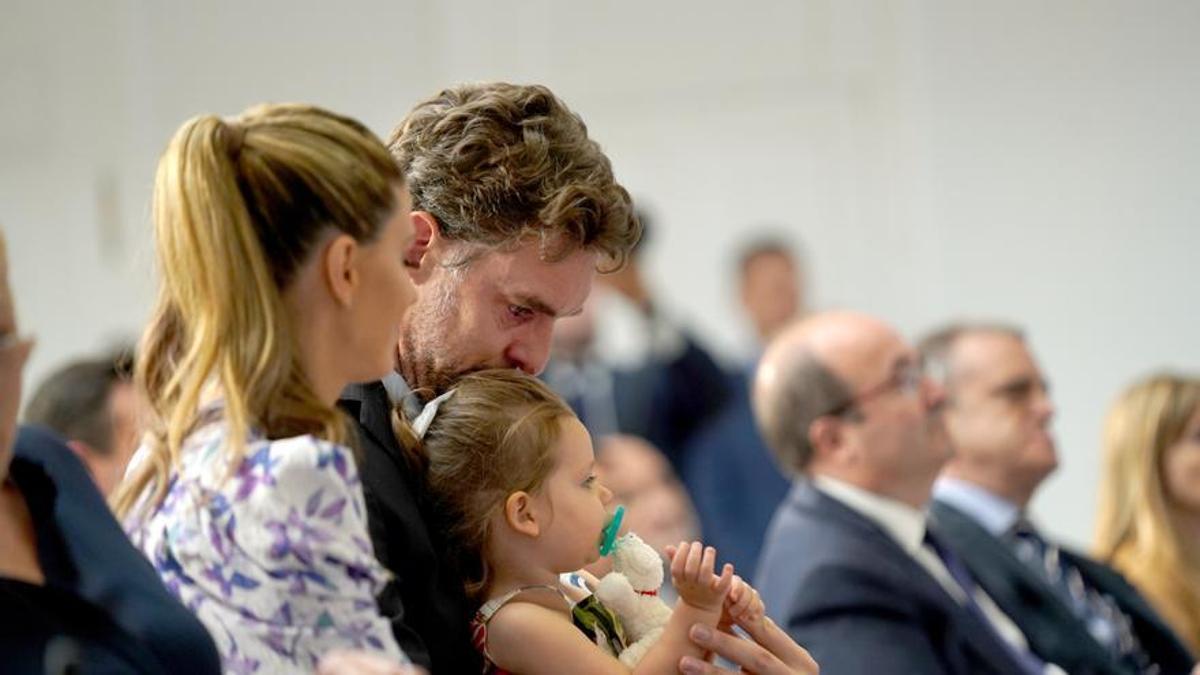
(609, 539)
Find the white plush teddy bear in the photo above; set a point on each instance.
(631, 592)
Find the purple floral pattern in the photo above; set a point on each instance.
(273, 556)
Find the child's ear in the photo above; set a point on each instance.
(520, 514)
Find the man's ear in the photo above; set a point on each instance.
(825, 436)
(340, 266)
(520, 514)
(427, 234)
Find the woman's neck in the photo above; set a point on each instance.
(1188, 522)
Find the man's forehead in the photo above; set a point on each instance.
(992, 356)
(560, 285)
(868, 353)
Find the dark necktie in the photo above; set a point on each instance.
(1030, 663)
(1103, 618)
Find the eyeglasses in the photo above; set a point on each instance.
(906, 379)
(1022, 391)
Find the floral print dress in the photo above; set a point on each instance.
(273, 556)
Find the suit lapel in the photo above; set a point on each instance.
(370, 405)
(975, 635)
(1053, 631)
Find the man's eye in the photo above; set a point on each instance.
(520, 312)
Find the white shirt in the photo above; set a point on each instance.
(996, 514)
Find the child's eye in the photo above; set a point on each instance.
(589, 481)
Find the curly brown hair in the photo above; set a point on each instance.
(496, 163)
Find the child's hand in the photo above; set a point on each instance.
(692, 575)
(743, 605)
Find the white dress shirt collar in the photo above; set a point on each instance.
(901, 522)
(399, 393)
(996, 514)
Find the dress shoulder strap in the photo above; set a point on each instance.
(492, 606)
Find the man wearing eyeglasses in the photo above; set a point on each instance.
(848, 568)
(1076, 611)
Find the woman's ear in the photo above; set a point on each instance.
(520, 514)
(427, 235)
(341, 258)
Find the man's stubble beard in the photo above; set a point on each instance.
(426, 337)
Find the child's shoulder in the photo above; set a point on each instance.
(527, 633)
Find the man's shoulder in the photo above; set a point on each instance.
(812, 533)
(40, 446)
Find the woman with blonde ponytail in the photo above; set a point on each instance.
(279, 238)
(1148, 526)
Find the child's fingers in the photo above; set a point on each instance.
(739, 598)
(670, 551)
(679, 560)
(726, 580)
(735, 590)
(695, 553)
(708, 562)
(749, 605)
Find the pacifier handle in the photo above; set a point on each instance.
(609, 541)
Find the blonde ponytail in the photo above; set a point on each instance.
(238, 207)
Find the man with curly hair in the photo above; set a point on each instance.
(515, 208)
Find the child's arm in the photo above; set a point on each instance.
(701, 596)
(530, 639)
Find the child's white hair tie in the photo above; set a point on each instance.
(421, 424)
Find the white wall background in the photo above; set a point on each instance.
(1023, 160)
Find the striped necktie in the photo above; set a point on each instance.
(1099, 612)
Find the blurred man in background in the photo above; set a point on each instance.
(92, 404)
(771, 286)
(734, 482)
(662, 386)
(1077, 612)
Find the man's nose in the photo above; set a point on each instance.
(1044, 405)
(531, 349)
(933, 394)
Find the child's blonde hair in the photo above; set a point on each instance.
(492, 437)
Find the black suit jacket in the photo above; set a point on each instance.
(1053, 631)
(425, 600)
(845, 590)
(103, 608)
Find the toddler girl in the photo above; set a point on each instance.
(512, 471)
